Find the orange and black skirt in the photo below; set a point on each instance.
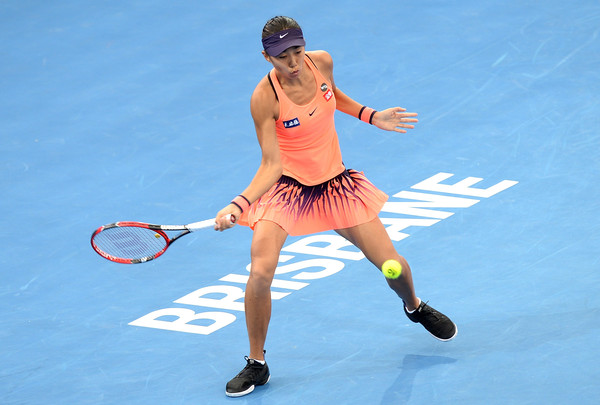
(346, 200)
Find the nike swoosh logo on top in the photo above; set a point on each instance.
(282, 36)
(313, 111)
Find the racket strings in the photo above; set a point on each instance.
(130, 242)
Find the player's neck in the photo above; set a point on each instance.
(301, 89)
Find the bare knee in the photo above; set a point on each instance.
(261, 278)
(262, 271)
(266, 244)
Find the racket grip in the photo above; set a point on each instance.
(229, 217)
(209, 223)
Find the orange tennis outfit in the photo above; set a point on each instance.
(315, 193)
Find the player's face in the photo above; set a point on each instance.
(289, 62)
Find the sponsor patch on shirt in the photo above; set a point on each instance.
(291, 123)
(328, 94)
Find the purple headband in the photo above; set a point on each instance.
(280, 41)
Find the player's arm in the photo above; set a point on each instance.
(264, 109)
(391, 119)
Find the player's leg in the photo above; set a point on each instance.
(267, 241)
(372, 239)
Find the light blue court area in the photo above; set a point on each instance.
(139, 110)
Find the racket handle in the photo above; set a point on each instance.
(209, 223)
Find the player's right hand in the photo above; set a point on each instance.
(227, 217)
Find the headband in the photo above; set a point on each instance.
(280, 41)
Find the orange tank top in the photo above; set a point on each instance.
(308, 142)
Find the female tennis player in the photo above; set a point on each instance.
(302, 186)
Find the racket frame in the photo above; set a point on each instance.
(159, 229)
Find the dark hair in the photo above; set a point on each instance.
(277, 24)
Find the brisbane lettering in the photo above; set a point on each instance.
(211, 308)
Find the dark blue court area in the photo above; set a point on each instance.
(139, 110)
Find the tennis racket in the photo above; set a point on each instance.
(137, 242)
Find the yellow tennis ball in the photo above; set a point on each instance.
(391, 269)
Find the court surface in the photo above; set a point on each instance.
(139, 110)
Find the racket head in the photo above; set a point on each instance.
(130, 242)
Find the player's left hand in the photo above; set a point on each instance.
(394, 119)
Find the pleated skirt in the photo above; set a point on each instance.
(346, 200)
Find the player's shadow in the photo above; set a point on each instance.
(401, 390)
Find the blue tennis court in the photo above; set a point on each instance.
(129, 110)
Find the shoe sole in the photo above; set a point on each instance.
(448, 339)
(248, 391)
